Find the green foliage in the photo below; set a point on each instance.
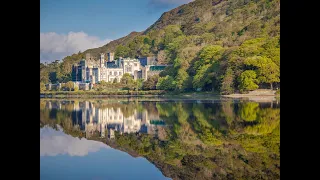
(227, 85)
(127, 79)
(272, 49)
(121, 51)
(42, 87)
(201, 78)
(267, 70)
(76, 88)
(247, 81)
(138, 84)
(150, 83)
(69, 85)
(209, 44)
(166, 83)
(210, 54)
(251, 47)
(207, 66)
(171, 32)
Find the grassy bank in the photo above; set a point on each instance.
(151, 93)
(98, 93)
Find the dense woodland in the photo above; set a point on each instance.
(212, 45)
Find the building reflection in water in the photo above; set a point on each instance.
(90, 119)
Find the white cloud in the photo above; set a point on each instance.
(54, 143)
(57, 46)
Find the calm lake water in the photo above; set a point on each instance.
(159, 139)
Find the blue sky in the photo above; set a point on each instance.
(65, 157)
(69, 26)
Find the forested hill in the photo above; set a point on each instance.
(223, 45)
(111, 46)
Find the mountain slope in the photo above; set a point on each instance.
(219, 17)
(224, 45)
(111, 46)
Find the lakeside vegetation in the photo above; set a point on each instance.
(225, 46)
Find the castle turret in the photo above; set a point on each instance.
(110, 56)
(89, 57)
(101, 60)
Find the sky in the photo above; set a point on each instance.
(70, 26)
(65, 157)
(53, 143)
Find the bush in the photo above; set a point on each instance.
(76, 88)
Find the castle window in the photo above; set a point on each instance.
(115, 73)
(110, 72)
(135, 64)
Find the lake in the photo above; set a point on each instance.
(154, 138)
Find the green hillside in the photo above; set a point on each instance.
(213, 45)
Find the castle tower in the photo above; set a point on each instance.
(101, 60)
(110, 56)
(88, 57)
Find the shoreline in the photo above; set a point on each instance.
(167, 97)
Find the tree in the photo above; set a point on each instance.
(272, 50)
(103, 83)
(267, 70)
(181, 79)
(150, 83)
(161, 57)
(69, 85)
(211, 53)
(227, 82)
(127, 81)
(44, 73)
(207, 38)
(207, 66)
(252, 47)
(122, 51)
(115, 80)
(138, 84)
(76, 88)
(145, 50)
(42, 87)
(248, 80)
(171, 32)
(166, 83)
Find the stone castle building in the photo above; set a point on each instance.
(93, 71)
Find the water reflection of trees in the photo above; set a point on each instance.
(224, 140)
(234, 140)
